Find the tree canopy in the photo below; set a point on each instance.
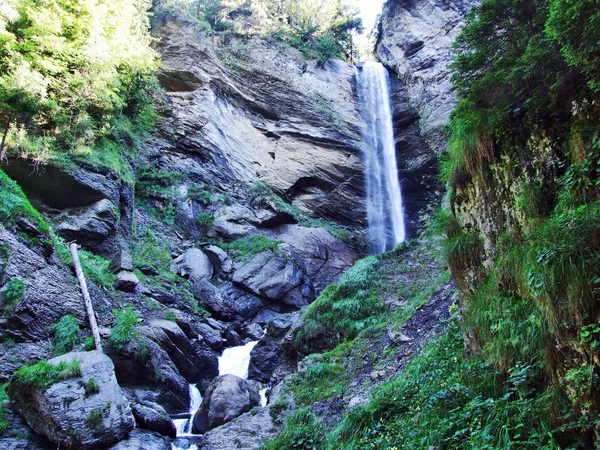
(68, 68)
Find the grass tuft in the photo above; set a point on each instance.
(66, 334)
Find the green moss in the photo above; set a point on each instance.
(245, 248)
(66, 334)
(42, 375)
(14, 204)
(124, 330)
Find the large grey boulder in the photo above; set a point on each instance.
(140, 439)
(126, 281)
(89, 225)
(83, 412)
(219, 259)
(194, 265)
(225, 399)
(152, 416)
(273, 277)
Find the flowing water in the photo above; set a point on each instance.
(384, 198)
(184, 426)
(235, 360)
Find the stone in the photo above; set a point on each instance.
(126, 281)
(163, 297)
(193, 265)
(90, 226)
(264, 359)
(213, 300)
(122, 259)
(152, 416)
(274, 278)
(252, 429)
(226, 398)
(253, 331)
(219, 259)
(212, 337)
(69, 416)
(140, 439)
(278, 327)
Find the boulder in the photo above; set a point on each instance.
(264, 359)
(90, 225)
(253, 331)
(212, 337)
(219, 259)
(213, 300)
(126, 281)
(252, 428)
(193, 265)
(226, 398)
(140, 439)
(243, 303)
(274, 278)
(152, 416)
(84, 412)
(122, 259)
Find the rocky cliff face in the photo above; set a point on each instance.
(243, 110)
(415, 42)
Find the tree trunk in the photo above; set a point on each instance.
(86, 297)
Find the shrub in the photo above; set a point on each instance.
(12, 293)
(66, 334)
(200, 194)
(124, 330)
(42, 375)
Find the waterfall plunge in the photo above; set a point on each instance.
(384, 199)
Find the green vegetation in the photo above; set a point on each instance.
(170, 315)
(4, 424)
(303, 430)
(66, 334)
(152, 182)
(89, 344)
(124, 330)
(245, 248)
(12, 293)
(95, 267)
(4, 257)
(95, 421)
(150, 251)
(527, 77)
(14, 204)
(42, 375)
(201, 194)
(205, 222)
(343, 310)
(91, 387)
(320, 381)
(321, 30)
(76, 82)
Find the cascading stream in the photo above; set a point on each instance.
(384, 198)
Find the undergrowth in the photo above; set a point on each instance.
(66, 334)
(246, 247)
(124, 330)
(12, 293)
(4, 424)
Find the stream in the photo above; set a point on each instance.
(234, 361)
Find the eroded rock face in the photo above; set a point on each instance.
(152, 416)
(415, 41)
(276, 279)
(72, 417)
(247, 110)
(225, 399)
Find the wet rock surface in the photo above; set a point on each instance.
(72, 416)
(153, 417)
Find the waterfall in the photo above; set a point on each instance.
(384, 199)
(235, 360)
(184, 426)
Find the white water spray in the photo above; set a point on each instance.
(236, 360)
(384, 199)
(184, 426)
